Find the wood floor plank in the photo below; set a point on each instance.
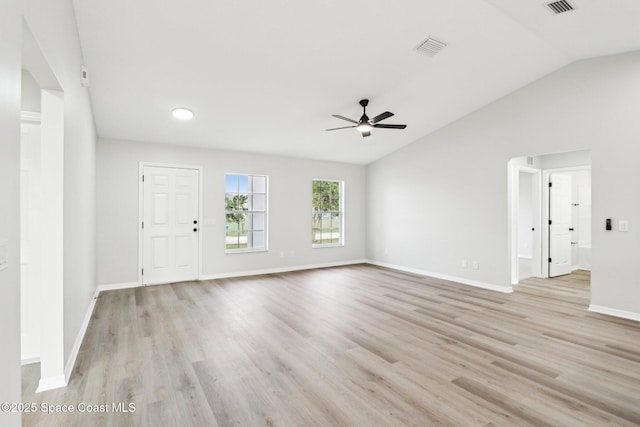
(351, 346)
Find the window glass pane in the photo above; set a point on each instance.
(259, 184)
(326, 220)
(230, 202)
(259, 202)
(231, 183)
(258, 222)
(335, 228)
(316, 235)
(258, 239)
(335, 222)
(242, 202)
(234, 223)
(242, 233)
(326, 236)
(243, 183)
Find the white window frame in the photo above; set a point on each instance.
(265, 212)
(340, 213)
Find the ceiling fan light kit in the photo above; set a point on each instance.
(364, 127)
(365, 124)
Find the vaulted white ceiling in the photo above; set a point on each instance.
(266, 76)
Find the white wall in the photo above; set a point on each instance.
(452, 184)
(30, 99)
(54, 28)
(289, 208)
(569, 159)
(10, 66)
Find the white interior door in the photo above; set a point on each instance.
(170, 224)
(559, 225)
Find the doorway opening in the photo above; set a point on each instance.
(41, 216)
(550, 223)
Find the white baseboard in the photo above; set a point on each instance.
(614, 312)
(129, 285)
(464, 281)
(116, 286)
(71, 362)
(577, 267)
(280, 269)
(30, 360)
(51, 383)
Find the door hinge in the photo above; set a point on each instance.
(549, 222)
(143, 225)
(549, 259)
(142, 178)
(550, 184)
(143, 268)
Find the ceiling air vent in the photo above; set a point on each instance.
(561, 6)
(431, 46)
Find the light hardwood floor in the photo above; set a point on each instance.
(357, 345)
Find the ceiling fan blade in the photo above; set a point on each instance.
(381, 117)
(390, 126)
(345, 127)
(337, 116)
(365, 134)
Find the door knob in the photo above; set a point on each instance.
(195, 221)
(195, 229)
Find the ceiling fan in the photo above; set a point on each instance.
(365, 124)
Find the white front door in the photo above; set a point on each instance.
(559, 225)
(170, 224)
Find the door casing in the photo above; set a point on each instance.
(514, 198)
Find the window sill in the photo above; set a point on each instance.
(244, 251)
(331, 245)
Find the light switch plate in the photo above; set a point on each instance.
(3, 254)
(623, 225)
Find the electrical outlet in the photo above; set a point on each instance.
(475, 265)
(464, 263)
(623, 225)
(3, 254)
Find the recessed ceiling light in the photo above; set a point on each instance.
(182, 114)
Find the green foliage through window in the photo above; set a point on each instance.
(327, 212)
(246, 212)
